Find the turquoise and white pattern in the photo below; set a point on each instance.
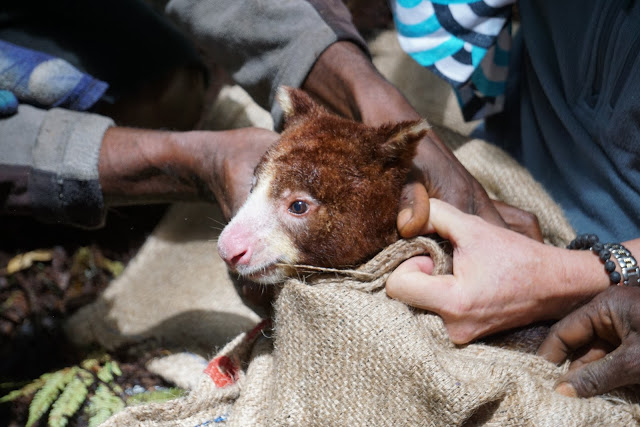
(466, 42)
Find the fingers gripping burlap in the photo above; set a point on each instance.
(342, 353)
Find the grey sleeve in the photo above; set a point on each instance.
(266, 43)
(49, 165)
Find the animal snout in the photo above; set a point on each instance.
(234, 253)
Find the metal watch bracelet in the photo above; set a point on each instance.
(628, 264)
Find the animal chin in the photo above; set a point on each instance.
(267, 274)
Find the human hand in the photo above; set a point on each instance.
(605, 335)
(229, 165)
(501, 279)
(519, 220)
(413, 216)
(445, 178)
(149, 166)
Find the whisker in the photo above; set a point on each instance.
(217, 221)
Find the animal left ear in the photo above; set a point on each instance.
(295, 103)
(401, 142)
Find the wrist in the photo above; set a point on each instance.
(145, 166)
(582, 276)
(345, 79)
(193, 161)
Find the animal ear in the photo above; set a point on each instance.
(401, 141)
(294, 102)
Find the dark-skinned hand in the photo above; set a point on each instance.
(413, 217)
(346, 81)
(603, 339)
(150, 166)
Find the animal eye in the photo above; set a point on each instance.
(298, 207)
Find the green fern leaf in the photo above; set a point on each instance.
(27, 390)
(48, 393)
(13, 395)
(115, 368)
(116, 389)
(90, 364)
(71, 399)
(104, 374)
(87, 377)
(102, 405)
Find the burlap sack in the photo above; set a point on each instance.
(342, 353)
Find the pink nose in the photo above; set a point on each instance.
(234, 253)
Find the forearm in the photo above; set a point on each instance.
(565, 279)
(147, 166)
(345, 79)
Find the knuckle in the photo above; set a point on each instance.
(586, 384)
(461, 333)
(631, 364)
(553, 331)
(529, 219)
(461, 309)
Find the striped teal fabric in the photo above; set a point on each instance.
(466, 42)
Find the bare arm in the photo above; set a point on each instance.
(146, 166)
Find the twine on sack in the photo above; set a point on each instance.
(372, 275)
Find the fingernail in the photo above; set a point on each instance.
(404, 216)
(566, 389)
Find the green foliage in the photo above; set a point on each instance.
(102, 405)
(71, 399)
(89, 387)
(65, 392)
(27, 390)
(49, 392)
(107, 372)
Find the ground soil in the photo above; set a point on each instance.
(35, 302)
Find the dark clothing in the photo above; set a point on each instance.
(573, 110)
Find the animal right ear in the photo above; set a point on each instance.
(401, 141)
(295, 103)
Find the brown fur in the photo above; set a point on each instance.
(355, 171)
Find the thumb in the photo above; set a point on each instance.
(447, 221)
(597, 377)
(412, 284)
(413, 214)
